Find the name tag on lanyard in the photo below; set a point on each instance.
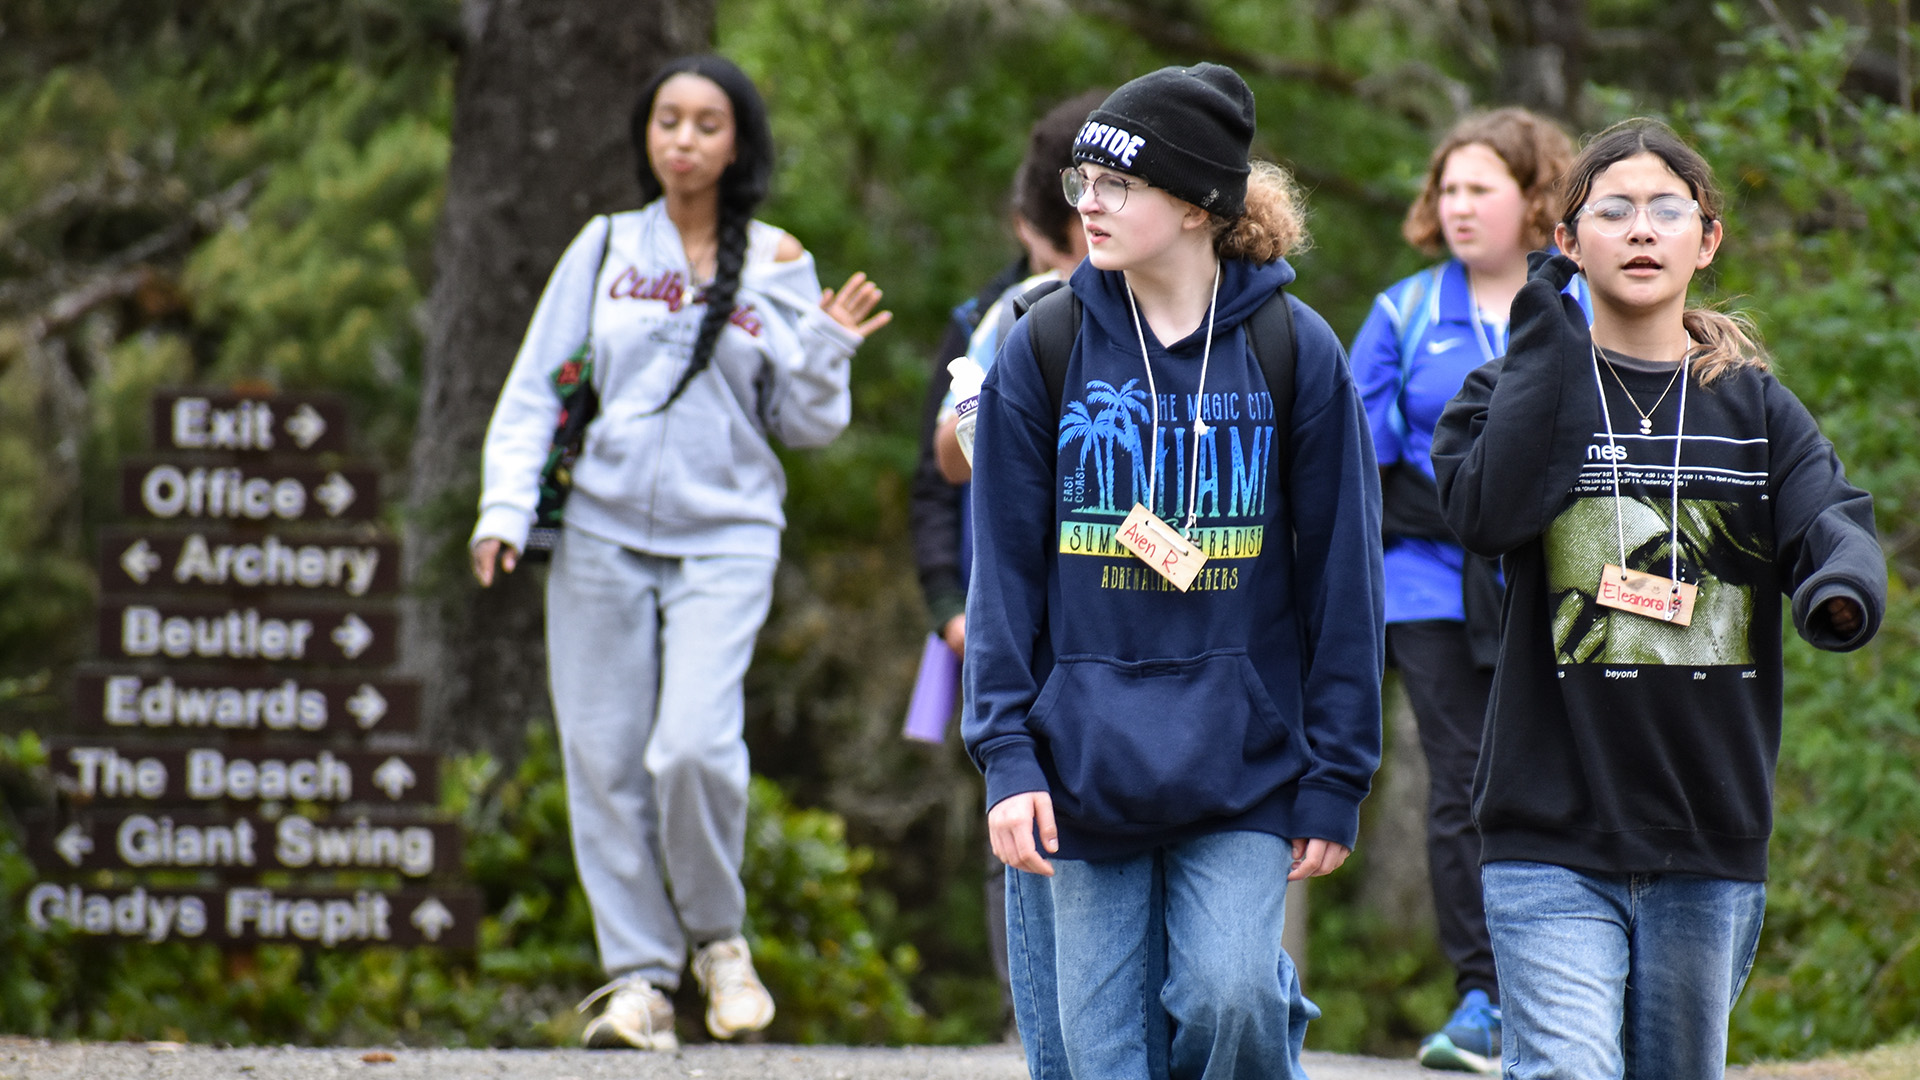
(1161, 546)
(1651, 595)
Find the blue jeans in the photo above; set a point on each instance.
(1189, 934)
(1618, 976)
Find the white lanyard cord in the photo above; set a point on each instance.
(1153, 392)
(1613, 454)
(1480, 332)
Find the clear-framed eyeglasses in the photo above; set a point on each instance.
(1109, 191)
(1614, 215)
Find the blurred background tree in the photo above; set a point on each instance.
(366, 196)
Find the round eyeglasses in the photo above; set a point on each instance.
(1614, 215)
(1109, 191)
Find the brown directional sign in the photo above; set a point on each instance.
(187, 490)
(253, 915)
(205, 703)
(362, 636)
(243, 843)
(331, 563)
(156, 773)
(270, 423)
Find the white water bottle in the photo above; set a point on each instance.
(967, 378)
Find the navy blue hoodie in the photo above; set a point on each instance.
(1150, 715)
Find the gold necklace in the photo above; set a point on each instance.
(1646, 415)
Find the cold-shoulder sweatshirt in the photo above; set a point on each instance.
(1149, 715)
(1616, 742)
(698, 478)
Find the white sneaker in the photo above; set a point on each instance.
(736, 1001)
(637, 1016)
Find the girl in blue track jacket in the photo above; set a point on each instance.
(1490, 196)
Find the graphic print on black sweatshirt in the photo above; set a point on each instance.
(1724, 550)
(1106, 438)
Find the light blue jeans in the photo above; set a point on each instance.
(1618, 976)
(645, 658)
(1187, 934)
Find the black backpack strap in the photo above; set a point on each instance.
(1270, 336)
(1053, 321)
(1052, 312)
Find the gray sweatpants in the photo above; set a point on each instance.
(645, 658)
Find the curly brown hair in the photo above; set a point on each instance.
(1535, 151)
(1274, 223)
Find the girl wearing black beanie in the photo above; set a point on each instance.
(1168, 741)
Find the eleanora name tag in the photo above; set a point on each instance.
(1161, 546)
(1647, 594)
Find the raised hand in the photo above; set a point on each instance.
(1545, 319)
(852, 305)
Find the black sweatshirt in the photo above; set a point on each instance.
(1615, 742)
(934, 507)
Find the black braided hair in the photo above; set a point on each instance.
(743, 185)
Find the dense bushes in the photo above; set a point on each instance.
(834, 980)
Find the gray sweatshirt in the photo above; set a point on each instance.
(698, 478)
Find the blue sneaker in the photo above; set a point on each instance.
(1471, 1040)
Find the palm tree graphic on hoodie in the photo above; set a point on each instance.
(1105, 423)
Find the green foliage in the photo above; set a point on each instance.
(319, 285)
(310, 157)
(812, 942)
(1821, 242)
(834, 979)
(899, 127)
(1820, 249)
(1381, 986)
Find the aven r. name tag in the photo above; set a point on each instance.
(1161, 546)
(1646, 594)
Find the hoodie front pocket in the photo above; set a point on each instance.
(1163, 742)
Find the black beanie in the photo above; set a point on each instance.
(1186, 130)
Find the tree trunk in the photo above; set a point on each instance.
(540, 145)
(1395, 882)
(1542, 49)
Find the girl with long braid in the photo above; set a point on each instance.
(709, 332)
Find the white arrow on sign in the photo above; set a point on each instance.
(432, 917)
(306, 426)
(353, 635)
(336, 494)
(367, 706)
(393, 777)
(73, 844)
(140, 561)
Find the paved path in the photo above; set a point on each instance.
(34, 1059)
(21, 1059)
